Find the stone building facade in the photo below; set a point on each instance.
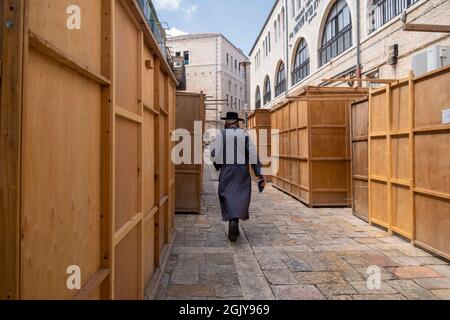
(213, 65)
(305, 41)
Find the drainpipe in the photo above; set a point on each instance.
(286, 62)
(358, 42)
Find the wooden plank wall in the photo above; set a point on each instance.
(258, 122)
(315, 146)
(408, 160)
(431, 165)
(190, 107)
(360, 164)
(94, 164)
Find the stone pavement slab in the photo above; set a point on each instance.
(289, 251)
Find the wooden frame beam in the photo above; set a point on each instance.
(414, 27)
(93, 283)
(10, 146)
(45, 47)
(381, 81)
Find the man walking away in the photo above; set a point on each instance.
(232, 153)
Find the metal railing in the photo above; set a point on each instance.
(301, 72)
(280, 87)
(383, 11)
(155, 25)
(341, 42)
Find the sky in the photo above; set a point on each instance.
(240, 21)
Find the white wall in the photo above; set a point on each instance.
(374, 46)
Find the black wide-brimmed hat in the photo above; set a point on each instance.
(233, 116)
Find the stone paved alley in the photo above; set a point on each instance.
(289, 251)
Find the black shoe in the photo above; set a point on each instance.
(233, 231)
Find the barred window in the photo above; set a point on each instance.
(258, 98)
(337, 34)
(301, 63)
(267, 91)
(280, 86)
(382, 11)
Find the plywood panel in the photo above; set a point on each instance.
(431, 96)
(293, 118)
(189, 176)
(304, 174)
(431, 162)
(401, 209)
(160, 231)
(126, 57)
(149, 162)
(329, 142)
(328, 112)
(400, 158)
(60, 178)
(295, 171)
(148, 80)
(433, 223)
(360, 199)
(360, 158)
(330, 174)
(293, 139)
(378, 204)
(126, 171)
(302, 113)
(360, 119)
(162, 91)
(328, 199)
(379, 114)
(378, 157)
(48, 18)
(400, 108)
(187, 197)
(303, 143)
(127, 269)
(148, 248)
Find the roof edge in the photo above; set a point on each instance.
(264, 26)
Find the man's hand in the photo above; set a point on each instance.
(264, 180)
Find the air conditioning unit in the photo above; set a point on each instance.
(430, 59)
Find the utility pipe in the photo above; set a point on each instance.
(358, 41)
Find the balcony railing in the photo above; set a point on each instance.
(301, 72)
(280, 87)
(386, 10)
(338, 44)
(267, 97)
(155, 25)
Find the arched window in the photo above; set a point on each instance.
(301, 63)
(280, 85)
(382, 11)
(267, 91)
(258, 98)
(283, 19)
(337, 33)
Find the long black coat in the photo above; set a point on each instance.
(235, 185)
